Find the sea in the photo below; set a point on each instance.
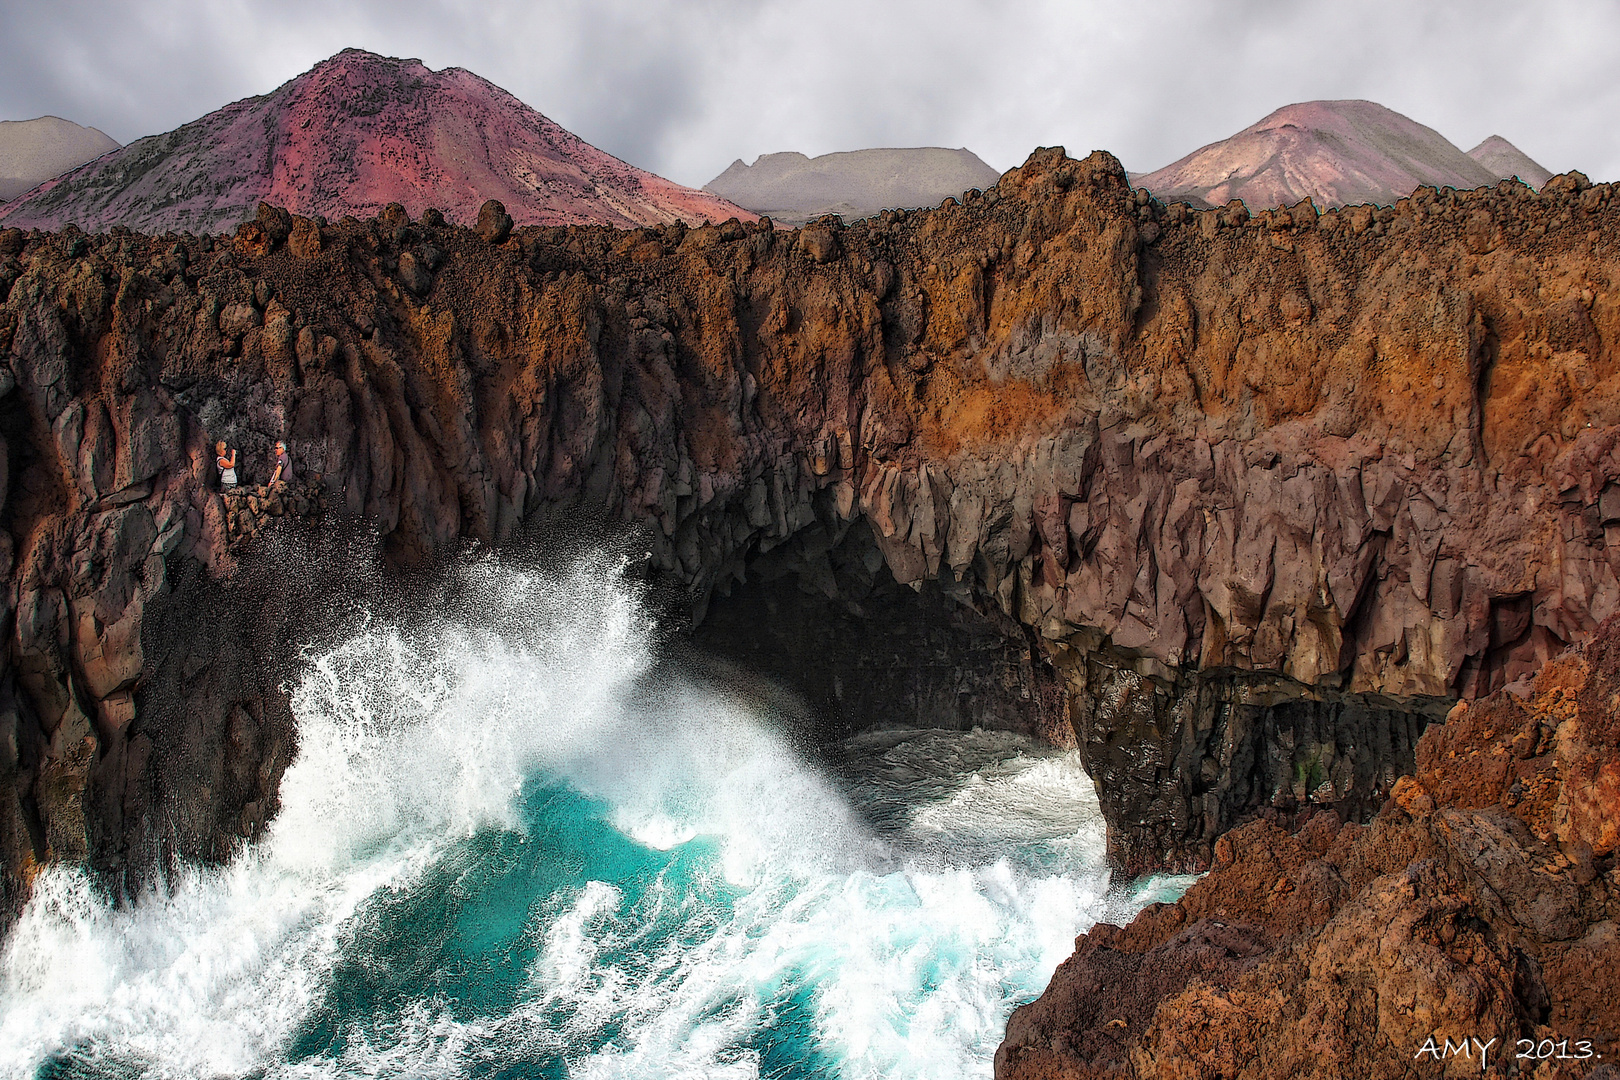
(517, 842)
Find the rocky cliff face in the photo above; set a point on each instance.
(1480, 904)
(1250, 499)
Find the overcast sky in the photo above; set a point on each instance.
(683, 88)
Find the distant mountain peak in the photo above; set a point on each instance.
(33, 151)
(1508, 161)
(352, 134)
(1334, 152)
(793, 188)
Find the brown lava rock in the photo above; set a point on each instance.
(1481, 902)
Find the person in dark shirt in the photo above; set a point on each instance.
(283, 472)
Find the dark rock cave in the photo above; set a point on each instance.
(1178, 757)
(823, 615)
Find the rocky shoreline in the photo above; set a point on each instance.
(1237, 504)
(1477, 910)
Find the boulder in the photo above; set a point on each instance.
(494, 223)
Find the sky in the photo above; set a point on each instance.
(684, 88)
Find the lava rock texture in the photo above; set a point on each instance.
(1257, 496)
(1480, 904)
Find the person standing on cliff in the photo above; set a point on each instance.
(283, 472)
(226, 460)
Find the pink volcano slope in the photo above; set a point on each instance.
(1338, 153)
(351, 135)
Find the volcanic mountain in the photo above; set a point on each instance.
(792, 188)
(1506, 160)
(351, 135)
(1338, 153)
(32, 151)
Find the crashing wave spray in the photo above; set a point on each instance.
(510, 846)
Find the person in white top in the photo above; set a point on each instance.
(226, 460)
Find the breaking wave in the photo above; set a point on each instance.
(514, 846)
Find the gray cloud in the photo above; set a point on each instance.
(684, 88)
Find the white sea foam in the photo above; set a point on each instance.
(898, 910)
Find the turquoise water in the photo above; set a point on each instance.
(515, 847)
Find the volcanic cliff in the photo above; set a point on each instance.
(1238, 505)
(348, 137)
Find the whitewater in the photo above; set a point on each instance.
(519, 844)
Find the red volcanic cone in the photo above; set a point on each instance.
(350, 136)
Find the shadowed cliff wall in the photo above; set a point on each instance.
(1262, 491)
